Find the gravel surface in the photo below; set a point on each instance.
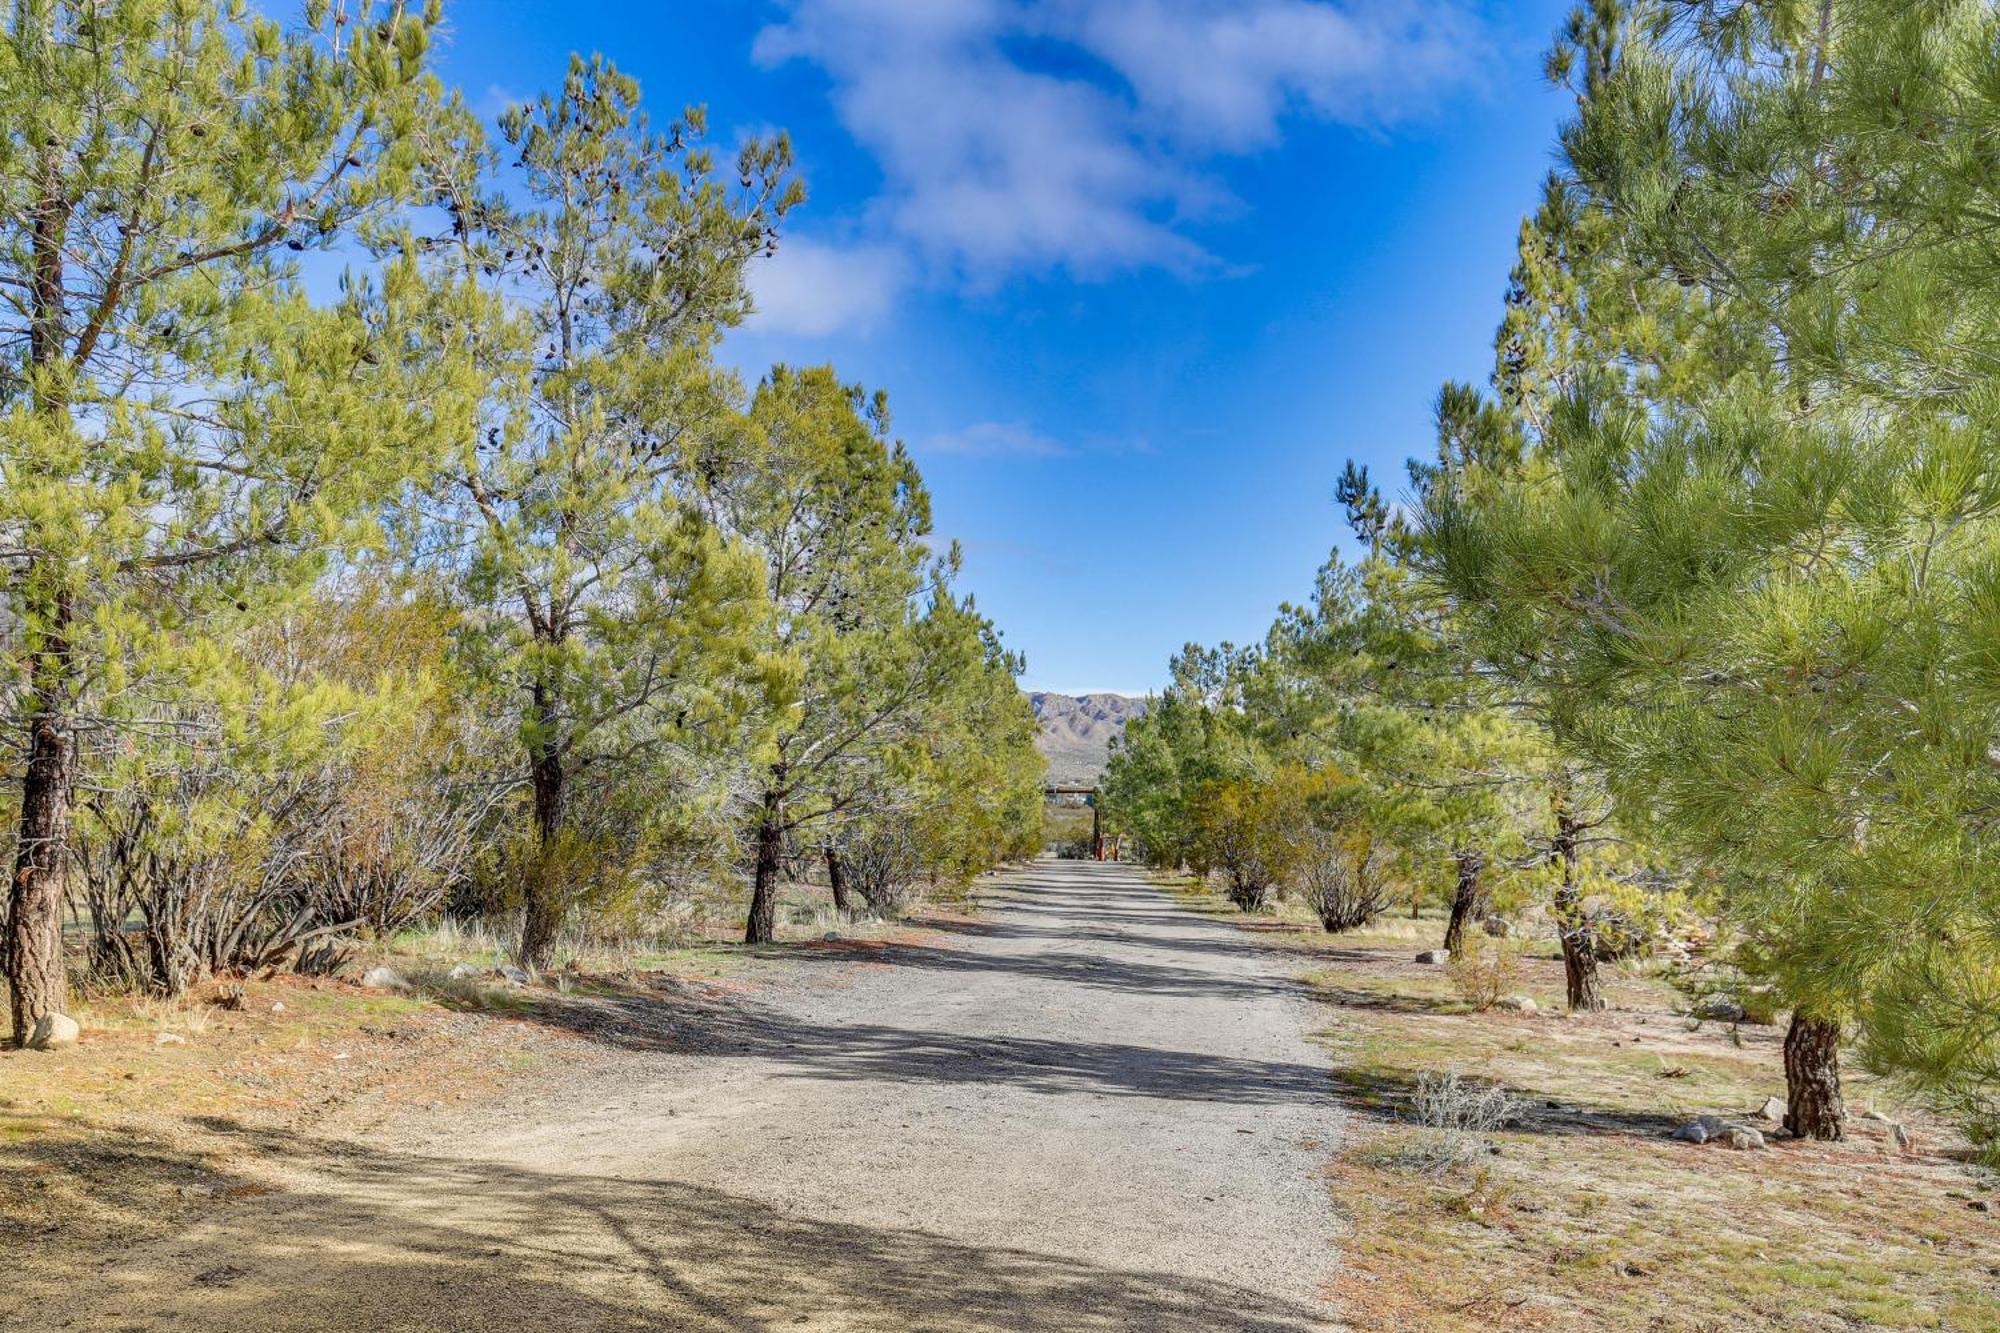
(1082, 1109)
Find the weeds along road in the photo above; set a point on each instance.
(1084, 1109)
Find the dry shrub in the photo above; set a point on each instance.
(1484, 970)
(1456, 1115)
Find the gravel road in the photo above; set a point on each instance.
(1082, 1109)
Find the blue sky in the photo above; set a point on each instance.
(1138, 275)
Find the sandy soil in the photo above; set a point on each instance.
(1080, 1109)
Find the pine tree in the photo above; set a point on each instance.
(838, 514)
(1756, 575)
(619, 622)
(187, 432)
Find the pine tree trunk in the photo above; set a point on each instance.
(1467, 900)
(34, 945)
(836, 880)
(763, 924)
(1813, 1106)
(543, 918)
(1579, 946)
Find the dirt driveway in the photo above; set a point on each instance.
(1083, 1109)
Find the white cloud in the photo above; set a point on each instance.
(813, 289)
(994, 439)
(1222, 73)
(1079, 135)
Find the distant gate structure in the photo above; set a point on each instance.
(1071, 794)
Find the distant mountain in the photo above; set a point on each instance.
(1077, 730)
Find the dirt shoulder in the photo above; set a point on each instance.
(1584, 1213)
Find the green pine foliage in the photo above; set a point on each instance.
(465, 579)
(1749, 555)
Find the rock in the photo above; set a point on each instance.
(384, 978)
(1692, 1132)
(277, 1006)
(461, 971)
(1721, 1009)
(1744, 1139)
(1434, 956)
(1520, 1004)
(53, 1032)
(508, 972)
(169, 1039)
(831, 935)
(1772, 1110)
(1497, 926)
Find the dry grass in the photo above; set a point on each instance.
(1588, 1216)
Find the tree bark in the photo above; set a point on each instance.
(543, 917)
(34, 945)
(762, 927)
(836, 880)
(1468, 899)
(1579, 946)
(1813, 1106)
(33, 948)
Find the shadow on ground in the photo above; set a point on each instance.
(390, 1240)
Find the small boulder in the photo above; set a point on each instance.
(461, 971)
(830, 936)
(277, 1006)
(1721, 1009)
(1773, 1110)
(508, 972)
(384, 978)
(1520, 1004)
(53, 1032)
(1434, 956)
(1744, 1139)
(1497, 926)
(1692, 1132)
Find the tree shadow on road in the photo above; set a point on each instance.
(378, 1239)
(676, 1019)
(1092, 969)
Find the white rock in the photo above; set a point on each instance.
(1434, 956)
(53, 1032)
(384, 978)
(1521, 1004)
(169, 1039)
(1773, 1109)
(461, 971)
(1744, 1139)
(277, 1006)
(511, 973)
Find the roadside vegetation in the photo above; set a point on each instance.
(1661, 701)
(388, 551)
(1511, 1165)
(1681, 634)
